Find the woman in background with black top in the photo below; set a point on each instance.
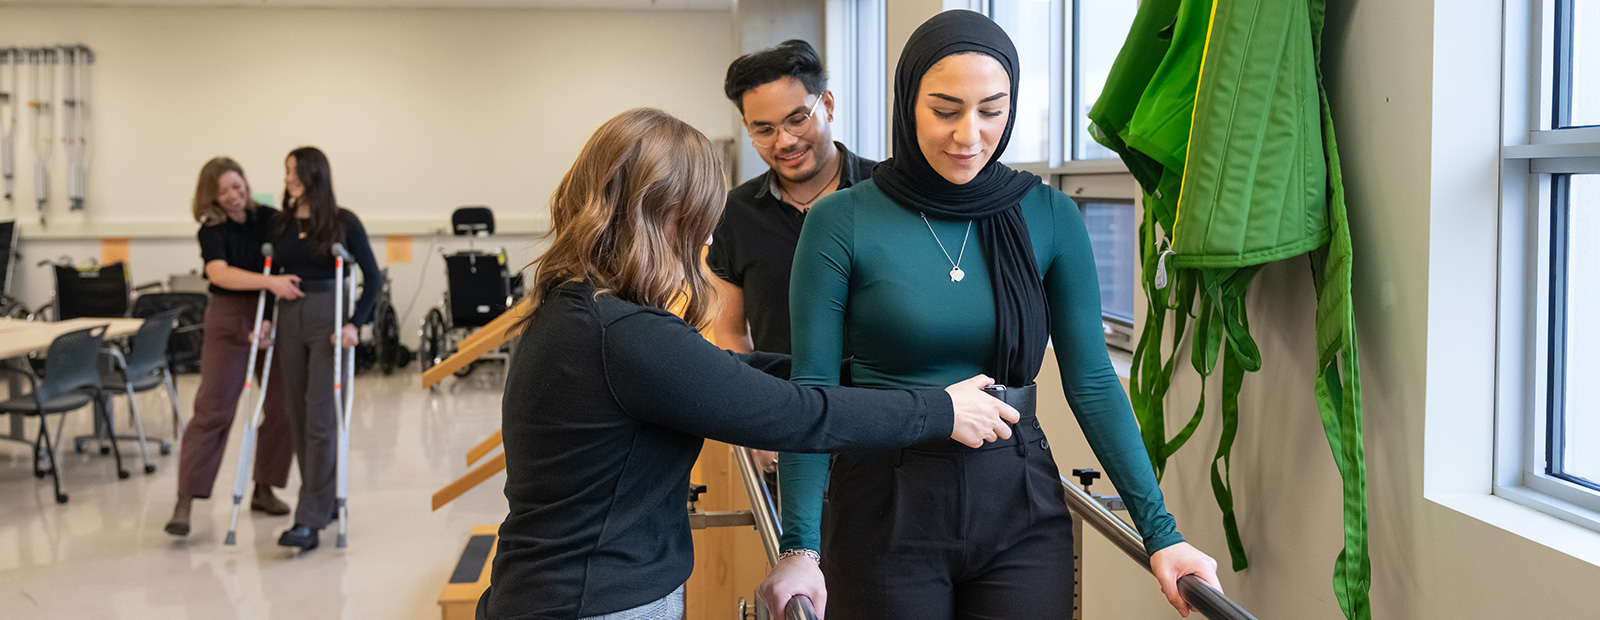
(608, 394)
(232, 228)
(310, 224)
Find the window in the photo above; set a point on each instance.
(1578, 63)
(1030, 26)
(1549, 455)
(1066, 49)
(1096, 45)
(1574, 341)
(863, 74)
(1107, 202)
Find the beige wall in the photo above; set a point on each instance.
(420, 111)
(1415, 96)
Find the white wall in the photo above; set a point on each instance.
(420, 111)
(761, 24)
(1415, 95)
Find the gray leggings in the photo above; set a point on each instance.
(304, 363)
(669, 607)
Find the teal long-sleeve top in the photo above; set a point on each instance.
(871, 284)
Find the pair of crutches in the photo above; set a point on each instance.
(343, 360)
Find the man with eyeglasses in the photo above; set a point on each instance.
(782, 94)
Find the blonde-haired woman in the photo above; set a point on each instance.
(609, 394)
(232, 229)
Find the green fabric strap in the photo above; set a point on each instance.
(1339, 378)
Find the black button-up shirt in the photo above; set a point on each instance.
(753, 249)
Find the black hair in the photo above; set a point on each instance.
(793, 58)
(326, 225)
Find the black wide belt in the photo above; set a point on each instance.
(323, 285)
(1024, 399)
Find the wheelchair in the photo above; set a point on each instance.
(382, 350)
(479, 288)
(10, 307)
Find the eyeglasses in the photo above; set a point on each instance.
(797, 125)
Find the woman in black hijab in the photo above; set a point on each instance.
(945, 264)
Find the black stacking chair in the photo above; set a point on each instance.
(71, 381)
(142, 369)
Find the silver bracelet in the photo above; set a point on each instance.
(816, 557)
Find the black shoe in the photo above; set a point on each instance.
(299, 536)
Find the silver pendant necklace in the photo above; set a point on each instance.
(956, 274)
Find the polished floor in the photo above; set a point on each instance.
(103, 554)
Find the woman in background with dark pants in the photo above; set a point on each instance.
(232, 228)
(306, 231)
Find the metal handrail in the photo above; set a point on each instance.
(761, 504)
(766, 517)
(1207, 600)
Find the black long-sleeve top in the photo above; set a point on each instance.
(605, 409)
(293, 255)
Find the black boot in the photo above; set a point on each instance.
(264, 501)
(179, 524)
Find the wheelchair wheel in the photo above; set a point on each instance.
(430, 341)
(386, 338)
(454, 344)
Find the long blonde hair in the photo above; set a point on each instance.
(205, 207)
(633, 214)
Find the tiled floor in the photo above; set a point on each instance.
(103, 554)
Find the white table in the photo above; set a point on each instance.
(19, 338)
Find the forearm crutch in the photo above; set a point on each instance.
(344, 366)
(247, 444)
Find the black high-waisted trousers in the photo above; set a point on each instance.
(941, 531)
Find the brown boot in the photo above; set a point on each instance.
(179, 524)
(264, 501)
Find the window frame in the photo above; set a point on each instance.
(1111, 185)
(860, 62)
(1063, 131)
(1537, 156)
